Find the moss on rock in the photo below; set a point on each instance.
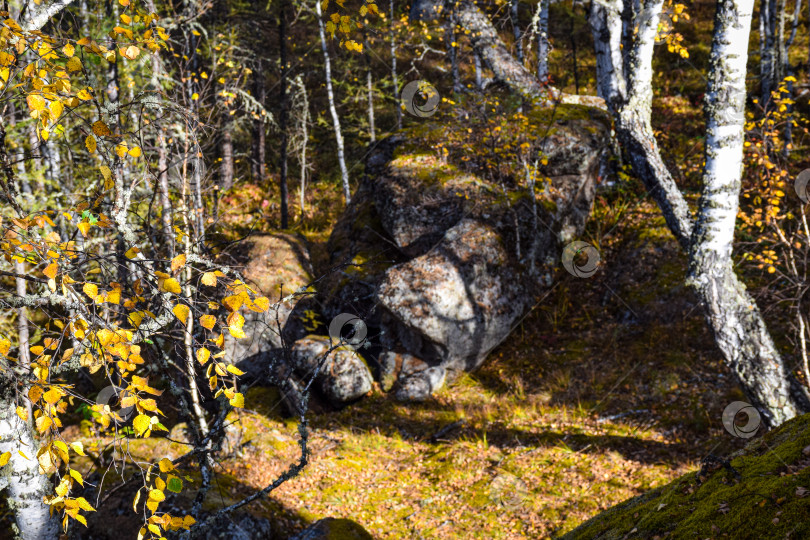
(770, 499)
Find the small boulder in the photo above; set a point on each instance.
(343, 376)
(421, 385)
(334, 529)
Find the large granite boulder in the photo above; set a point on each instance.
(441, 263)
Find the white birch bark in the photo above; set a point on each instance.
(330, 95)
(606, 24)
(26, 486)
(542, 40)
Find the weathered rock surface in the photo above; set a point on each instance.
(442, 263)
(343, 376)
(333, 529)
(275, 265)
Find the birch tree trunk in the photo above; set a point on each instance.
(369, 89)
(226, 150)
(26, 486)
(344, 173)
(542, 41)
(739, 330)
(738, 327)
(606, 26)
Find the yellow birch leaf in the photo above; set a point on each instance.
(90, 290)
(90, 143)
(171, 285)
(22, 412)
(36, 102)
(208, 321)
(165, 465)
(202, 355)
(4, 458)
(237, 401)
(209, 279)
(50, 270)
(141, 424)
(74, 64)
(43, 423)
(238, 333)
(235, 370)
(52, 396)
(76, 476)
(178, 262)
(181, 312)
(101, 129)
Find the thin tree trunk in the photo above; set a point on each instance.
(788, 70)
(26, 486)
(479, 79)
(258, 167)
(304, 141)
(486, 41)
(768, 46)
(452, 50)
(394, 80)
(36, 158)
(369, 89)
(514, 13)
(282, 39)
(344, 172)
(166, 214)
(226, 149)
(574, 48)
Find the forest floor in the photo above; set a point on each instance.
(609, 387)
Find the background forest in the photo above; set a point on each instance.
(409, 270)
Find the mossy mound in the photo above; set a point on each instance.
(767, 497)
